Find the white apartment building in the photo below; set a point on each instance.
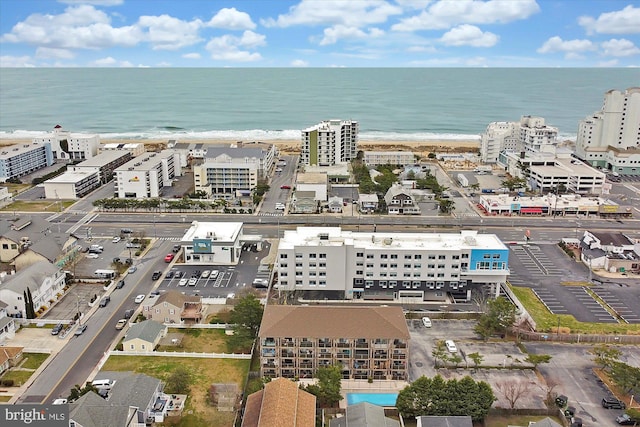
(330, 142)
(377, 158)
(72, 185)
(136, 149)
(146, 175)
(610, 138)
(529, 134)
(44, 281)
(544, 172)
(408, 267)
(225, 177)
(22, 159)
(104, 163)
(213, 243)
(70, 146)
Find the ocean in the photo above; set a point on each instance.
(256, 104)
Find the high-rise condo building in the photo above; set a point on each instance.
(530, 134)
(330, 142)
(610, 138)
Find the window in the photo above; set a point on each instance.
(431, 275)
(323, 283)
(312, 273)
(284, 274)
(323, 265)
(298, 273)
(496, 256)
(323, 256)
(143, 346)
(312, 265)
(432, 257)
(359, 272)
(283, 256)
(298, 265)
(284, 283)
(312, 255)
(322, 274)
(384, 256)
(284, 265)
(407, 257)
(369, 256)
(394, 265)
(359, 264)
(465, 256)
(133, 347)
(383, 283)
(417, 257)
(383, 265)
(440, 266)
(383, 274)
(440, 274)
(312, 282)
(369, 265)
(394, 256)
(407, 266)
(455, 257)
(298, 282)
(486, 256)
(360, 254)
(5, 246)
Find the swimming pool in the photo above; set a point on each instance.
(380, 399)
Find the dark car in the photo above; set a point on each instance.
(176, 248)
(104, 301)
(156, 275)
(57, 329)
(613, 403)
(169, 274)
(128, 313)
(625, 420)
(80, 330)
(126, 231)
(120, 284)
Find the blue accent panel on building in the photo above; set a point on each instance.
(478, 255)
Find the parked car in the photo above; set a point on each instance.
(179, 274)
(80, 330)
(214, 274)
(139, 299)
(126, 231)
(120, 284)
(121, 324)
(183, 282)
(451, 346)
(93, 255)
(193, 281)
(205, 274)
(131, 245)
(169, 274)
(132, 269)
(156, 275)
(285, 187)
(57, 329)
(104, 301)
(426, 322)
(613, 403)
(625, 420)
(59, 402)
(115, 239)
(169, 258)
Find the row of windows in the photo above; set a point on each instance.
(285, 283)
(389, 256)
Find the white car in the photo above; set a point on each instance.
(278, 169)
(115, 239)
(426, 322)
(451, 346)
(183, 282)
(214, 274)
(205, 274)
(193, 281)
(93, 256)
(139, 299)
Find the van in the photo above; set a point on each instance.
(102, 383)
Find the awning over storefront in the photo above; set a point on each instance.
(531, 210)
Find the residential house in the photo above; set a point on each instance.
(304, 202)
(144, 336)
(364, 414)
(335, 204)
(545, 422)
(43, 280)
(134, 400)
(366, 342)
(444, 421)
(612, 251)
(368, 203)
(400, 202)
(175, 307)
(280, 403)
(8, 325)
(9, 357)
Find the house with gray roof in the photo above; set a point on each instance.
(8, 325)
(44, 281)
(175, 307)
(400, 201)
(133, 400)
(304, 202)
(144, 336)
(444, 421)
(364, 414)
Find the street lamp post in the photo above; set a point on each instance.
(78, 309)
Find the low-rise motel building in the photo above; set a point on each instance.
(328, 262)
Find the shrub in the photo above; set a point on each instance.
(7, 383)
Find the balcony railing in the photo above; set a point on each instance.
(306, 344)
(399, 356)
(343, 344)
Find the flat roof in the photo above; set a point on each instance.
(466, 239)
(71, 177)
(16, 149)
(103, 158)
(146, 161)
(312, 178)
(224, 231)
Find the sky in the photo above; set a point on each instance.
(319, 33)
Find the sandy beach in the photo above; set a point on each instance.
(292, 147)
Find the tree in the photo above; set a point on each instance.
(514, 183)
(455, 359)
(500, 315)
(605, 356)
(626, 377)
(512, 390)
(477, 359)
(435, 396)
(247, 313)
(327, 388)
(536, 359)
(446, 206)
(76, 391)
(179, 381)
(439, 352)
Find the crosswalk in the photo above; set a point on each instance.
(271, 214)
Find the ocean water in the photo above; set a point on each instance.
(263, 104)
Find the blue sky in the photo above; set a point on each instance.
(319, 33)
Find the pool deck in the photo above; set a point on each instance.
(363, 386)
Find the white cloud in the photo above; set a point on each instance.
(232, 19)
(94, 2)
(609, 63)
(571, 48)
(335, 12)
(165, 32)
(422, 49)
(337, 32)
(625, 21)
(230, 48)
(7, 61)
(104, 62)
(619, 47)
(446, 14)
(81, 27)
(299, 63)
(47, 52)
(414, 4)
(469, 35)
(193, 55)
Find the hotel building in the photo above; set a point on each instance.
(104, 163)
(365, 342)
(610, 138)
(68, 146)
(407, 267)
(22, 159)
(71, 185)
(225, 177)
(330, 142)
(146, 175)
(530, 134)
(377, 158)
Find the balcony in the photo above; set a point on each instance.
(343, 344)
(306, 344)
(343, 355)
(361, 344)
(399, 356)
(324, 343)
(287, 343)
(325, 355)
(269, 343)
(399, 344)
(286, 353)
(306, 364)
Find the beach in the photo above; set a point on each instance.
(293, 147)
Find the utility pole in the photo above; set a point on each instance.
(78, 310)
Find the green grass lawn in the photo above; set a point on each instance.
(38, 206)
(548, 322)
(33, 360)
(199, 340)
(18, 377)
(204, 372)
(5, 398)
